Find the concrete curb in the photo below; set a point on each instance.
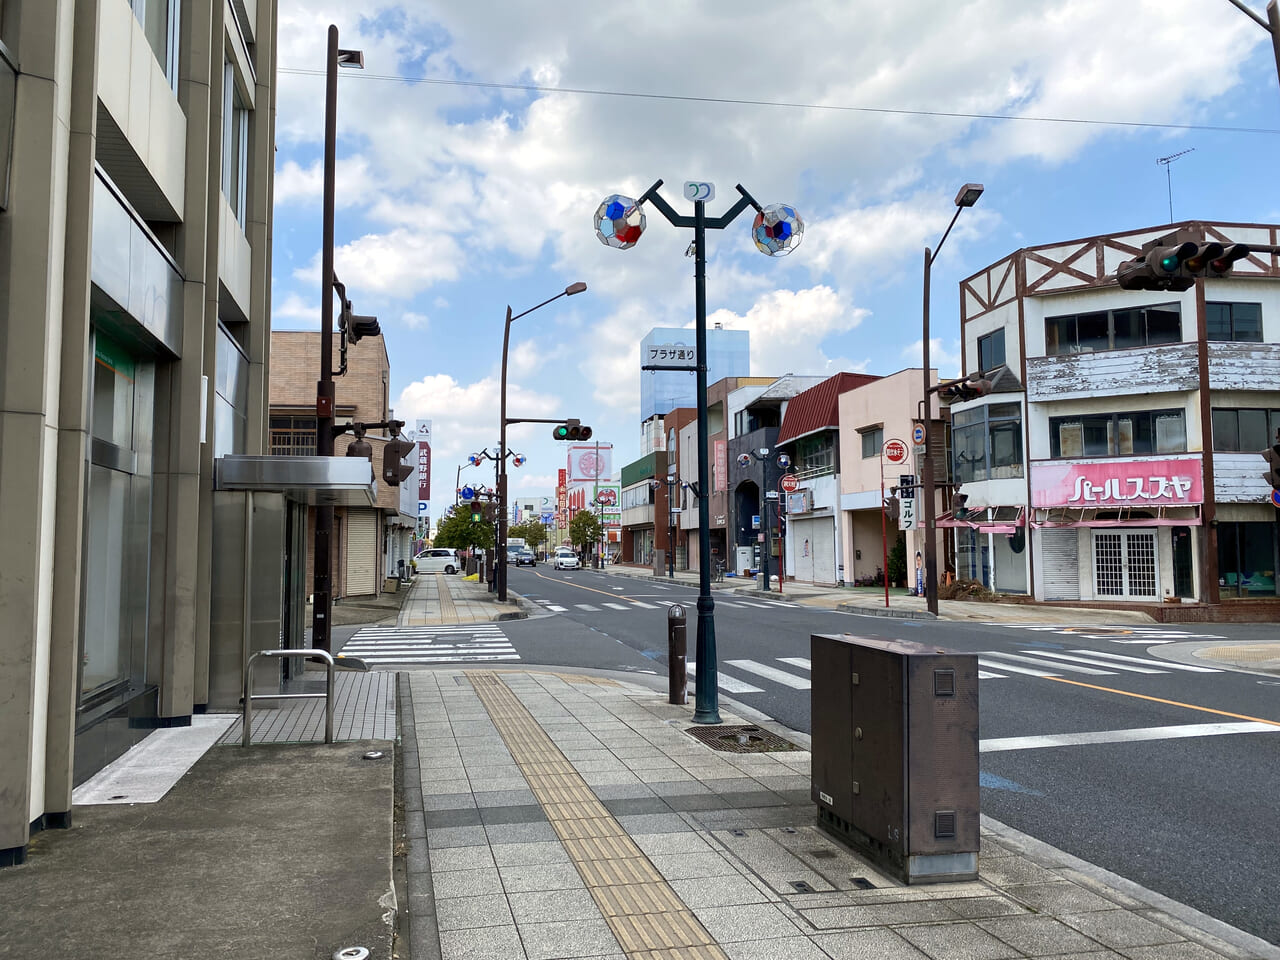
(886, 612)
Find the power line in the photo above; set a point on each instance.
(732, 101)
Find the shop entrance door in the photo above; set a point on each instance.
(1182, 562)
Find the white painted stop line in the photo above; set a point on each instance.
(1136, 735)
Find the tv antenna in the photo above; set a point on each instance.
(1168, 161)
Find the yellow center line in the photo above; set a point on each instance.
(570, 583)
(1172, 703)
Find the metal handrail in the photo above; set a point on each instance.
(328, 690)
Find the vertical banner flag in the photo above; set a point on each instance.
(423, 436)
(562, 493)
(720, 478)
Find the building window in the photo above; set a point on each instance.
(987, 442)
(1118, 434)
(231, 396)
(159, 19)
(1112, 329)
(235, 145)
(1234, 321)
(1247, 559)
(293, 436)
(991, 350)
(1244, 430)
(816, 455)
(872, 441)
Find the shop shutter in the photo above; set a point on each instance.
(362, 553)
(802, 532)
(1060, 563)
(824, 551)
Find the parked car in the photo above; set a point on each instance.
(525, 558)
(438, 560)
(566, 559)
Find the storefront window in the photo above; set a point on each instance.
(987, 442)
(1247, 559)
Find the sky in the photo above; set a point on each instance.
(477, 143)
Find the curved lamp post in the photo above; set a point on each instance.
(967, 197)
(777, 230)
(500, 577)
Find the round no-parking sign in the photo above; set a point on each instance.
(895, 451)
(790, 483)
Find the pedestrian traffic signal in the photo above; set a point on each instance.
(393, 470)
(571, 430)
(358, 327)
(1174, 262)
(477, 511)
(960, 509)
(1272, 456)
(891, 509)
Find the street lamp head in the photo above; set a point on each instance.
(573, 288)
(969, 194)
(353, 59)
(764, 451)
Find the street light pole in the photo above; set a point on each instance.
(967, 197)
(500, 575)
(326, 394)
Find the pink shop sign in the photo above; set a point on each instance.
(1116, 483)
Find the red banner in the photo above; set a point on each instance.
(1174, 481)
(721, 479)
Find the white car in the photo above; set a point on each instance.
(566, 559)
(438, 560)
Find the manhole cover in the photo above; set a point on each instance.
(740, 739)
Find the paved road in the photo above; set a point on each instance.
(1162, 771)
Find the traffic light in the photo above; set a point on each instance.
(358, 327)
(477, 511)
(393, 470)
(891, 508)
(1174, 262)
(959, 391)
(1272, 456)
(960, 509)
(571, 430)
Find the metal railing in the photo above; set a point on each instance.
(249, 697)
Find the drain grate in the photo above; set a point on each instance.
(822, 854)
(740, 739)
(802, 886)
(862, 883)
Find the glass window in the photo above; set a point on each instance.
(112, 392)
(231, 396)
(1118, 434)
(1244, 430)
(987, 442)
(872, 441)
(159, 20)
(235, 145)
(991, 350)
(1246, 559)
(1113, 330)
(1234, 321)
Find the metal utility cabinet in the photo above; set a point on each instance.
(895, 753)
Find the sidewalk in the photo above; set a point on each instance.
(556, 816)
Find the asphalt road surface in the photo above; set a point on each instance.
(1093, 740)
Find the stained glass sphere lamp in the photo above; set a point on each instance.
(619, 222)
(777, 230)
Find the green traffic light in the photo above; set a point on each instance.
(1169, 263)
(562, 432)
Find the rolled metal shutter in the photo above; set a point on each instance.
(362, 553)
(1060, 563)
(824, 550)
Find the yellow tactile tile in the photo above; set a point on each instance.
(643, 911)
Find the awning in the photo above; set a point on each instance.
(1116, 517)
(989, 519)
(329, 481)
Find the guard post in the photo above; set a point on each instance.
(677, 649)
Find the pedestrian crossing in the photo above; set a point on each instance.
(993, 665)
(470, 643)
(1128, 633)
(657, 604)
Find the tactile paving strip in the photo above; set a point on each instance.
(650, 921)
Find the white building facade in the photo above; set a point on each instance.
(1128, 467)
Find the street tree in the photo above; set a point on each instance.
(457, 532)
(584, 529)
(532, 532)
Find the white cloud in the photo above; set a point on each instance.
(943, 356)
(788, 327)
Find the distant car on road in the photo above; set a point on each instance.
(438, 560)
(566, 559)
(525, 558)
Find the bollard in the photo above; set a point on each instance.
(676, 651)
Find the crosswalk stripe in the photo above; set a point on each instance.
(556, 608)
(1164, 664)
(725, 682)
(588, 607)
(647, 606)
(1097, 663)
(772, 673)
(987, 675)
(1014, 668)
(752, 603)
(779, 603)
(617, 606)
(726, 603)
(802, 662)
(1057, 666)
(418, 658)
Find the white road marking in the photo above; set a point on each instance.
(617, 606)
(725, 682)
(1041, 663)
(802, 662)
(587, 607)
(1053, 655)
(556, 608)
(1137, 735)
(772, 673)
(1013, 668)
(987, 675)
(1164, 664)
(647, 606)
